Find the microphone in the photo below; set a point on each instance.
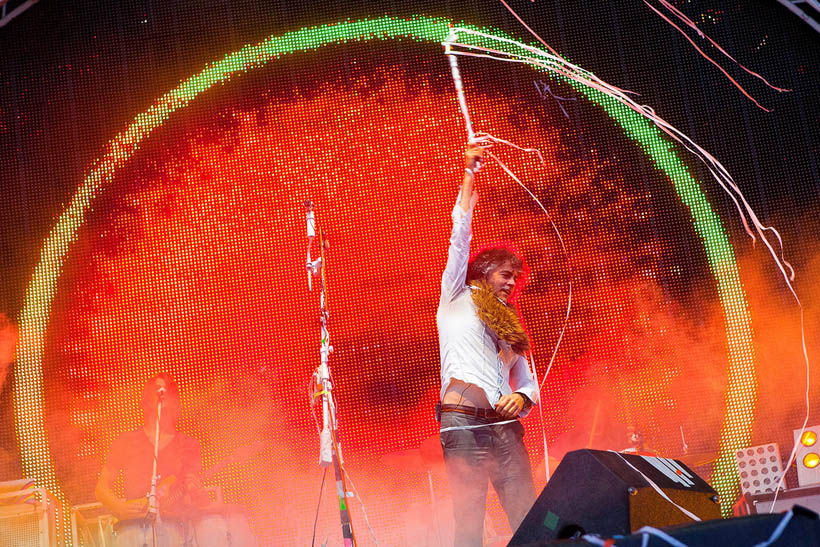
(310, 219)
(161, 392)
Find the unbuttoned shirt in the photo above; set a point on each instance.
(469, 350)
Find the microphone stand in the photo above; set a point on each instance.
(153, 505)
(330, 450)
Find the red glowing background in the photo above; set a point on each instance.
(192, 262)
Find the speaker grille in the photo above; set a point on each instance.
(19, 527)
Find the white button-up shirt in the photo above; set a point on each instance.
(469, 350)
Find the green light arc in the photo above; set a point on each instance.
(28, 383)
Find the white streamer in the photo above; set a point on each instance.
(565, 68)
(781, 527)
(462, 427)
(658, 489)
(647, 531)
(483, 138)
(562, 67)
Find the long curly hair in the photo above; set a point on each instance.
(489, 257)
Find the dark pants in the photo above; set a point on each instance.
(474, 456)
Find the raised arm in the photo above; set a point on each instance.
(474, 156)
(458, 255)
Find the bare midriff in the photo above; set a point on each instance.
(465, 394)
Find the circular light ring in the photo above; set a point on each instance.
(811, 460)
(741, 390)
(809, 438)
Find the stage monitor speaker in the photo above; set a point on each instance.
(608, 493)
(29, 523)
(802, 529)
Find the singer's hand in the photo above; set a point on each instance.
(510, 406)
(474, 154)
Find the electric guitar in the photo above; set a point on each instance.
(171, 490)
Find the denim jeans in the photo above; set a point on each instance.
(473, 457)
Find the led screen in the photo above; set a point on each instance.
(179, 245)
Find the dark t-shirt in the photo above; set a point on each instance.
(132, 453)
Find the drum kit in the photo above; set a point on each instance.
(216, 526)
(174, 523)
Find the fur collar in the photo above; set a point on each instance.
(499, 317)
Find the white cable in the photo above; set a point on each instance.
(361, 504)
(462, 427)
(647, 531)
(720, 174)
(541, 419)
(658, 489)
(781, 527)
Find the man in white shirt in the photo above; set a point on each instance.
(486, 382)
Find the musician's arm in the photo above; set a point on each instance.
(194, 488)
(120, 508)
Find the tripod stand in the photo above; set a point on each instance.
(330, 448)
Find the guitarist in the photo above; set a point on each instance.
(131, 456)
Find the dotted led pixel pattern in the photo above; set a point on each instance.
(191, 262)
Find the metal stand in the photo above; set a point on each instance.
(153, 505)
(330, 449)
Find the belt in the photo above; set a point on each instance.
(472, 411)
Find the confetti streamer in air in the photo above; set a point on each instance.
(486, 139)
(544, 90)
(689, 22)
(574, 73)
(551, 61)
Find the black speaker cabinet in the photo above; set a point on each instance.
(608, 493)
(800, 529)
